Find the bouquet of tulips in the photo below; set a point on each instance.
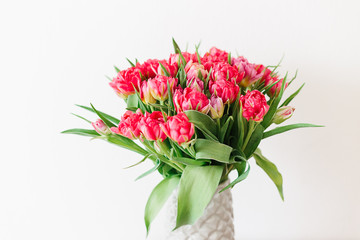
(198, 117)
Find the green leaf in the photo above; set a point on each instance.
(111, 118)
(158, 198)
(167, 74)
(132, 101)
(197, 187)
(190, 161)
(286, 128)
(254, 140)
(208, 149)
(102, 117)
(176, 46)
(82, 132)
(116, 69)
(126, 143)
(289, 99)
(158, 163)
(243, 169)
(131, 63)
(202, 121)
(170, 99)
(81, 118)
(271, 170)
(197, 52)
(229, 58)
(142, 160)
(224, 129)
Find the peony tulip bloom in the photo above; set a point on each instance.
(178, 128)
(195, 84)
(176, 59)
(227, 90)
(216, 107)
(158, 86)
(195, 70)
(254, 106)
(224, 71)
(170, 68)
(128, 126)
(149, 126)
(283, 114)
(214, 55)
(100, 127)
(191, 99)
(125, 81)
(250, 71)
(145, 93)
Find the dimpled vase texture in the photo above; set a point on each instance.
(215, 224)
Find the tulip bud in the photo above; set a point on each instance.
(216, 107)
(146, 96)
(100, 127)
(283, 114)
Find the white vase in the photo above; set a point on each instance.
(215, 224)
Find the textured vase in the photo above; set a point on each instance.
(215, 224)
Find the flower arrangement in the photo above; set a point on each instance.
(198, 118)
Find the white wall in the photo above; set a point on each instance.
(55, 53)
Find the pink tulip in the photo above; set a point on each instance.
(250, 71)
(125, 81)
(170, 68)
(149, 126)
(191, 99)
(145, 93)
(275, 90)
(149, 68)
(158, 86)
(216, 107)
(195, 70)
(175, 57)
(227, 90)
(283, 114)
(195, 84)
(254, 106)
(224, 71)
(178, 128)
(100, 127)
(128, 126)
(214, 55)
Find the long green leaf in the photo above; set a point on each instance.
(271, 170)
(286, 128)
(106, 121)
(141, 161)
(190, 161)
(254, 140)
(207, 149)
(82, 132)
(126, 143)
(243, 169)
(224, 129)
(202, 121)
(158, 197)
(157, 165)
(197, 187)
(111, 118)
(292, 96)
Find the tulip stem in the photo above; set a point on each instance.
(249, 133)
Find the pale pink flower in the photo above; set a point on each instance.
(175, 58)
(158, 86)
(283, 114)
(145, 93)
(250, 71)
(216, 107)
(196, 84)
(100, 127)
(195, 70)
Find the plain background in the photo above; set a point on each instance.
(54, 54)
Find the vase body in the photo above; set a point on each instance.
(215, 224)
